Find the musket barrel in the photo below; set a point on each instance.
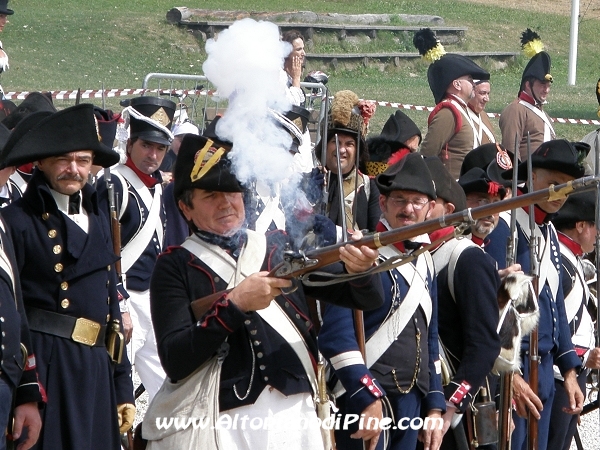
(328, 255)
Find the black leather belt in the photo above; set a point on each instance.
(78, 329)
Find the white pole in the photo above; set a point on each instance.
(573, 42)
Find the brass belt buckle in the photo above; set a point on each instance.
(85, 331)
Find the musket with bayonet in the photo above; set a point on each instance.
(532, 422)
(116, 340)
(325, 193)
(300, 266)
(506, 380)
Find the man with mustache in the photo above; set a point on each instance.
(66, 264)
(480, 190)
(137, 185)
(399, 378)
(554, 162)
(259, 326)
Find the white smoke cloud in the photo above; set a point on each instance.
(245, 63)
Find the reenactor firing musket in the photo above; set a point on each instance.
(300, 266)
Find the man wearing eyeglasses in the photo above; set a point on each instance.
(451, 132)
(400, 378)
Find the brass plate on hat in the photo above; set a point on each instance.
(161, 117)
(85, 331)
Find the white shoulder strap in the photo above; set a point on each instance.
(249, 262)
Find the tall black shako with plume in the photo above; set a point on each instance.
(538, 67)
(444, 67)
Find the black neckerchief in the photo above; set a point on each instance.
(231, 244)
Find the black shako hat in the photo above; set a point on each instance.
(491, 157)
(43, 134)
(4, 8)
(560, 155)
(151, 118)
(202, 164)
(578, 207)
(446, 187)
(408, 174)
(34, 102)
(539, 65)
(477, 180)
(290, 127)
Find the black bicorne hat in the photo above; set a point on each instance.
(444, 67)
(6, 108)
(210, 132)
(560, 155)
(491, 157)
(408, 174)
(34, 102)
(107, 125)
(477, 180)
(202, 164)
(446, 187)
(578, 207)
(4, 8)
(447, 69)
(42, 135)
(151, 118)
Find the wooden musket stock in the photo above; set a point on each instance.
(295, 266)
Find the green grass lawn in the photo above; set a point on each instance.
(69, 44)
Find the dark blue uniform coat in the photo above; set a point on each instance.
(185, 343)
(65, 271)
(554, 338)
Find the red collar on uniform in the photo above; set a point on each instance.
(527, 98)
(148, 180)
(477, 240)
(570, 243)
(380, 228)
(438, 234)
(540, 215)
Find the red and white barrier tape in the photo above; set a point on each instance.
(109, 93)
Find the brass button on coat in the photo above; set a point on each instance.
(58, 267)
(65, 303)
(45, 216)
(56, 249)
(52, 234)
(64, 285)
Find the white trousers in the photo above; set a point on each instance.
(274, 422)
(142, 350)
